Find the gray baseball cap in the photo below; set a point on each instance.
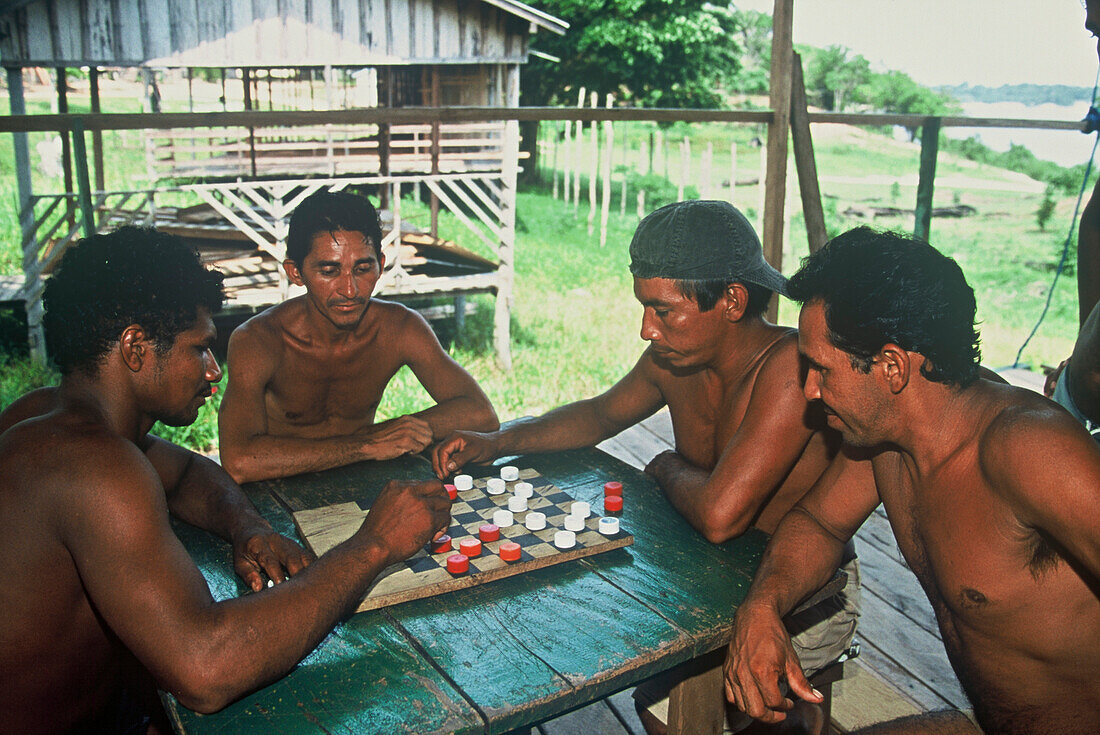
(701, 240)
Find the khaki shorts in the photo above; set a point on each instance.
(820, 635)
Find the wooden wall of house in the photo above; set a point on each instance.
(252, 33)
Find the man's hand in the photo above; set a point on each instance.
(393, 438)
(461, 448)
(1052, 378)
(406, 516)
(760, 655)
(270, 553)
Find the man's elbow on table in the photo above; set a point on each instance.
(726, 521)
(237, 463)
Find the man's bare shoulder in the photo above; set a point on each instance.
(1021, 434)
(780, 370)
(29, 405)
(400, 328)
(262, 337)
(65, 449)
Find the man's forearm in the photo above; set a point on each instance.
(684, 484)
(207, 497)
(573, 426)
(461, 413)
(267, 457)
(801, 557)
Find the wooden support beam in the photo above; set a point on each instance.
(66, 149)
(929, 149)
(434, 150)
(804, 161)
(775, 184)
(246, 80)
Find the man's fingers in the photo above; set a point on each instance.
(801, 686)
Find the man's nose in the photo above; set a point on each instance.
(812, 387)
(213, 370)
(649, 331)
(349, 287)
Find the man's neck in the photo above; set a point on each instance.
(104, 401)
(934, 423)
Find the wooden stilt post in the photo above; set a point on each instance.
(66, 148)
(436, 101)
(578, 154)
(507, 249)
(247, 79)
(804, 161)
(708, 160)
(83, 186)
(776, 180)
(929, 149)
(32, 286)
(97, 135)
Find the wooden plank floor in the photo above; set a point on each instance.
(902, 668)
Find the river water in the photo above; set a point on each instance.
(1065, 147)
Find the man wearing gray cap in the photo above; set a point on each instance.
(748, 444)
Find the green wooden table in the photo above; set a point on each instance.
(506, 654)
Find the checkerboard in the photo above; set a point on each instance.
(425, 574)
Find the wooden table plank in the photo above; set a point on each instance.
(365, 677)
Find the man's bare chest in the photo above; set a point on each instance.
(705, 416)
(312, 391)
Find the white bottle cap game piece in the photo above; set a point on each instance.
(523, 490)
(463, 482)
(535, 521)
(580, 509)
(574, 523)
(517, 504)
(565, 539)
(503, 518)
(494, 486)
(509, 473)
(609, 526)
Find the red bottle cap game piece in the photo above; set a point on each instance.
(470, 547)
(613, 488)
(442, 545)
(613, 503)
(458, 564)
(509, 551)
(488, 532)
(452, 491)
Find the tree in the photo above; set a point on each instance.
(1046, 208)
(896, 92)
(657, 53)
(835, 76)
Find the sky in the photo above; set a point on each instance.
(943, 42)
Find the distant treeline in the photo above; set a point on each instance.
(1020, 159)
(1027, 94)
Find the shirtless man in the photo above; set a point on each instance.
(306, 376)
(1076, 383)
(747, 443)
(99, 597)
(992, 492)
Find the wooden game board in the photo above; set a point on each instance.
(425, 574)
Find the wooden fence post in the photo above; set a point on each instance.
(32, 286)
(641, 203)
(578, 155)
(733, 174)
(929, 148)
(97, 135)
(804, 161)
(708, 160)
(609, 148)
(593, 171)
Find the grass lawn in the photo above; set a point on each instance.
(575, 323)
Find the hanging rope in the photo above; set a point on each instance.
(1092, 124)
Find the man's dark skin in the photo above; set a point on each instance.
(96, 576)
(992, 495)
(306, 376)
(746, 445)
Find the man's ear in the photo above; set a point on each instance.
(734, 301)
(134, 346)
(381, 261)
(292, 272)
(895, 365)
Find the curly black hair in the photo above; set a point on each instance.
(328, 211)
(134, 275)
(879, 287)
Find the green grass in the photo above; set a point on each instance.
(575, 323)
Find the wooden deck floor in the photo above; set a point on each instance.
(902, 668)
